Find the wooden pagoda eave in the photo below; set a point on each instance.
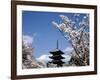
(56, 57)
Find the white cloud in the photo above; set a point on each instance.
(67, 54)
(67, 58)
(44, 58)
(68, 50)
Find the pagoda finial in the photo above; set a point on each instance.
(57, 44)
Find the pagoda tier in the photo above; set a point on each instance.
(57, 57)
(57, 62)
(56, 51)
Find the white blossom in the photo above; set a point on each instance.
(55, 24)
(78, 37)
(65, 19)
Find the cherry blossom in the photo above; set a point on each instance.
(78, 36)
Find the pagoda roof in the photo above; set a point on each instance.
(57, 62)
(56, 51)
(57, 57)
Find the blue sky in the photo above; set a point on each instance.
(39, 26)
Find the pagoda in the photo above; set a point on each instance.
(57, 57)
